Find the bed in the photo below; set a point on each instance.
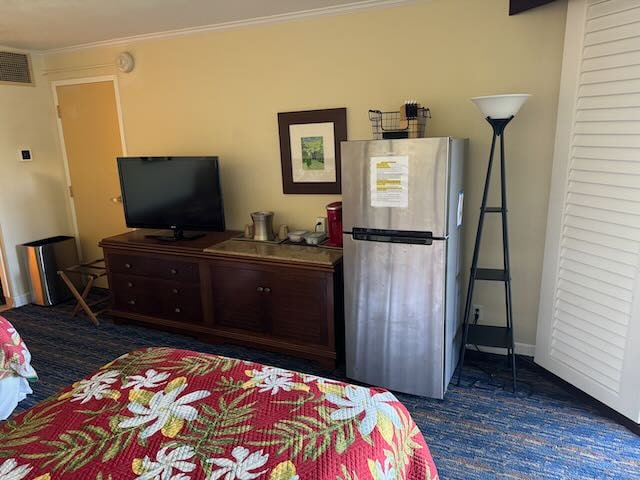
(15, 370)
(162, 413)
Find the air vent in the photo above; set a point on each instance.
(14, 68)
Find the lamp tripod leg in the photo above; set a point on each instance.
(474, 262)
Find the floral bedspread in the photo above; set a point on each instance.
(15, 359)
(167, 414)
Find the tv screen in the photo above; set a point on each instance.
(178, 193)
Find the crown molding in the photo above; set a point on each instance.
(7, 48)
(279, 18)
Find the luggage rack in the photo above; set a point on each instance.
(94, 270)
(409, 122)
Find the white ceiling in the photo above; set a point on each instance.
(52, 24)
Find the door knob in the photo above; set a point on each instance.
(117, 199)
(267, 289)
(260, 289)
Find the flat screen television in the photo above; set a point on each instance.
(176, 193)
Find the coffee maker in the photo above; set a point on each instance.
(334, 224)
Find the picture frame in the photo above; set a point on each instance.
(310, 150)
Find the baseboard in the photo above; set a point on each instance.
(21, 300)
(25, 298)
(524, 349)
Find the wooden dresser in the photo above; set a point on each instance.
(284, 298)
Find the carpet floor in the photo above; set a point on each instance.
(479, 431)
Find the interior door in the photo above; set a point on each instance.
(92, 141)
(5, 292)
(589, 315)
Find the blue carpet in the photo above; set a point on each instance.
(480, 431)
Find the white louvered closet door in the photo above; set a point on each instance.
(589, 315)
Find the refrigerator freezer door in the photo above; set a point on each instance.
(394, 315)
(421, 204)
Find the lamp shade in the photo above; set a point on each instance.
(500, 106)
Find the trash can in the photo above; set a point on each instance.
(44, 258)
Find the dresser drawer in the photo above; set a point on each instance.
(139, 303)
(177, 270)
(184, 307)
(130, 284)
(153, 297)
(134, 284)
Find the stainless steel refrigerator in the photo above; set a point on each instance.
(402, 221)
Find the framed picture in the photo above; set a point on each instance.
(310, 150)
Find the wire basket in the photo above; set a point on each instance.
(391, 125)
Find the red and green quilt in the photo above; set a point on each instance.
(14, 356)
(166, 414)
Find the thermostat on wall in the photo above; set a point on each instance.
(25, 155)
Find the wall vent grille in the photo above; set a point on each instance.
(14, 68)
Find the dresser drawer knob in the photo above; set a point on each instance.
(173, 271)
(131, 302)
(175, 291)
(129, 284)
(127, 265)
(177, 310)
(260, 289)
(267, 289)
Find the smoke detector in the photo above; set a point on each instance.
(125, 62)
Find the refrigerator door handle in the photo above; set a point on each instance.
(392, 236)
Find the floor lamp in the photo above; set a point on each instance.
(498, 110)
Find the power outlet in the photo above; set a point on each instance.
(321, 224)
(477, 313)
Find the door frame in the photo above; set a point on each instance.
(63, 148)
(4, 277)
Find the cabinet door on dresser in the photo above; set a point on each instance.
(286, 303)
(239, 299)
(298, 306)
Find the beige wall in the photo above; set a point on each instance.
(219, 93)
(32, 194)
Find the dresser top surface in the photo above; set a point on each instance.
(136, 239)
(282, 252)
(218, 244)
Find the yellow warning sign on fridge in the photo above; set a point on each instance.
(390, 181)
